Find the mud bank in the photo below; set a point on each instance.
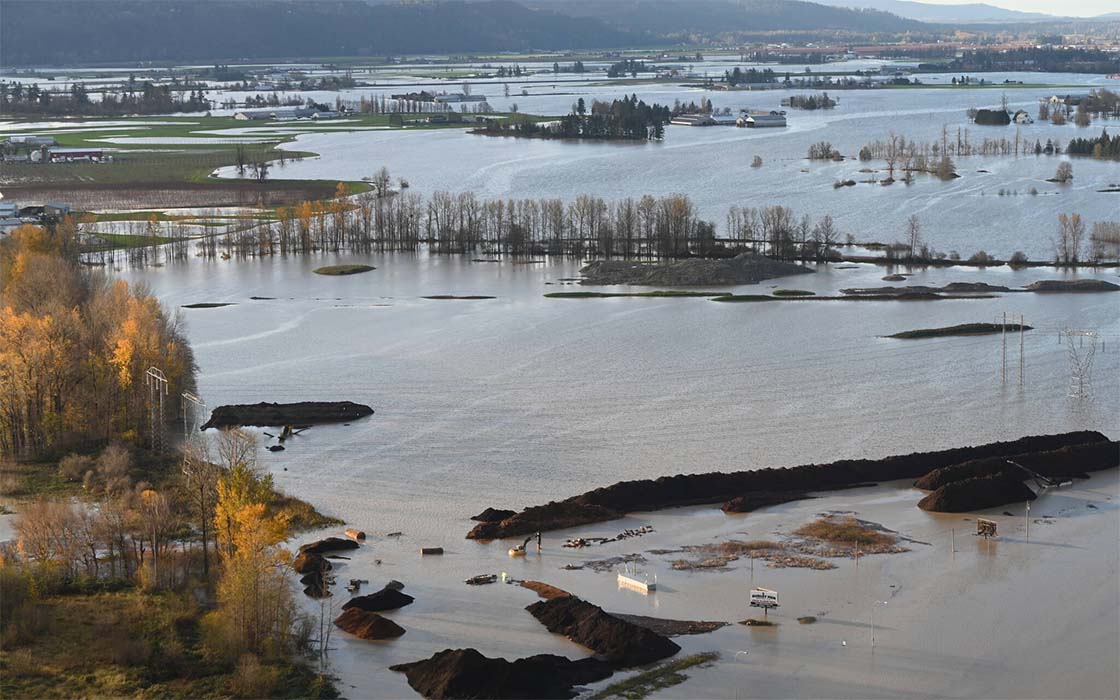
(611, 502)
(1044, 286)
(275, 414)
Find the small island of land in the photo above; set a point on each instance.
(961, 329)
(745, 268)
(271, 414)
(339, 270)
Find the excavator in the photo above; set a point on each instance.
(519, 550)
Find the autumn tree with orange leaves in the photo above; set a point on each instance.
(74, 349)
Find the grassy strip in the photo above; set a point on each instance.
(657, 678)
(449, 297)
(612, 295)
(341, 270)
(793, 293)
(745, 297)
(124, 240)
(961, 329)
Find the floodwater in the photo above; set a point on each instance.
(521, 399)
(1000, 204)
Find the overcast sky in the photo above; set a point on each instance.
(1070, 8)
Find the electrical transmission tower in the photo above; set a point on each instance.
(1082, 347)
(157, 390)
(192, 408)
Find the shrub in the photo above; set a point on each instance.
(222, 645)
(1018, 259)
(252, 680)
(980, 257)
(112, 468)
(73, 467)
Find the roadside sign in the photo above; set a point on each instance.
(764, 598)
(985, 528)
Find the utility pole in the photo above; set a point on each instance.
(1022, 361)
(1003, 363)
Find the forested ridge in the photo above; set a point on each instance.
(137, 30)
(110, 31)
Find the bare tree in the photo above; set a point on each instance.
(201, 480)
(825, 236)
(1071, 232)
(913, 235)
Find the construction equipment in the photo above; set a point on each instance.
(519, 550)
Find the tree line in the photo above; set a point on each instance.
(147, 98)
(628, 119)
(738, 76)
(1103, 146)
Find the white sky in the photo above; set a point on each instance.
(1070, 8)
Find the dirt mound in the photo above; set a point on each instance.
(1075, 460)
(493, 515)
(976, 494)
(385, 599)
(367, 625)
(613, 501)
(328, 544)
(620, 642)
(273, 414)
(466, 673)
(1083, 285)
(310, 563)
(759, 499)
(746, 268)
(551, 516)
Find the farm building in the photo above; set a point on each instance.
(29, 141)
(755, 121)
(457, 97)
(68, 155)
(693, 120)
(283, 114)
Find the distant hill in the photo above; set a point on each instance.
(928, 12)
(674, 18)
(34, 32)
